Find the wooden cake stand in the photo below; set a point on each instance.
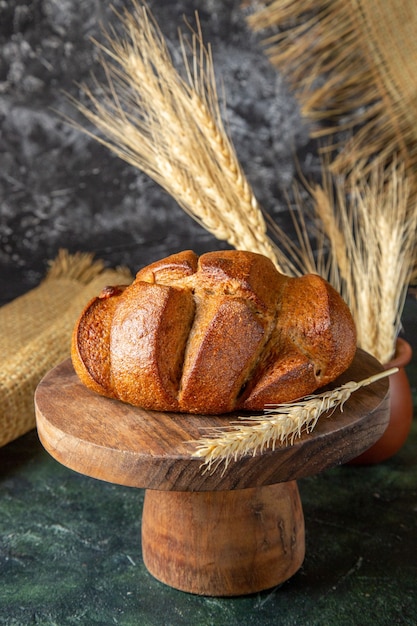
(211, 533)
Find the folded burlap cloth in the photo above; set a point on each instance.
(35, 333)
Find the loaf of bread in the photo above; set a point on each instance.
(213, 334)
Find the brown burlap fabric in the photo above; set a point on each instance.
(35, 333)
(352, 62)
(352, 65)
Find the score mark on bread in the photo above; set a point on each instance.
(213, 334)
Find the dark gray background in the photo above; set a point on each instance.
(59, 188)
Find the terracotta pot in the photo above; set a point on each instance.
(401, 411)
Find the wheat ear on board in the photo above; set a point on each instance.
(280, 424)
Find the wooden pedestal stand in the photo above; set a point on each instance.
(210, 533)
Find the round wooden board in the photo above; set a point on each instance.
(116, 442)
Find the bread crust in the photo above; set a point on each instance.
(213, 334)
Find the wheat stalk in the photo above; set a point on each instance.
(368, 228)
(379, 232)
(351, 63)
(170, 127)
(280, 424)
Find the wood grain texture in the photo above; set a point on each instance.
(116, 442)
(224, 543)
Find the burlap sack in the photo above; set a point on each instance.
(352, 65)
(35, 333)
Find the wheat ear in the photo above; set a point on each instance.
(280, 424)
(367, 229)
(169, 126)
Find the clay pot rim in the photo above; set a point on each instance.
(402, 356)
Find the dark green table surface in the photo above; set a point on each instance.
(70, 549)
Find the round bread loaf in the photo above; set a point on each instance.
(213, 334)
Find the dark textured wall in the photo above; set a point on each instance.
(59, 188)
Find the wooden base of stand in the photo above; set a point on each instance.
(224, 543)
